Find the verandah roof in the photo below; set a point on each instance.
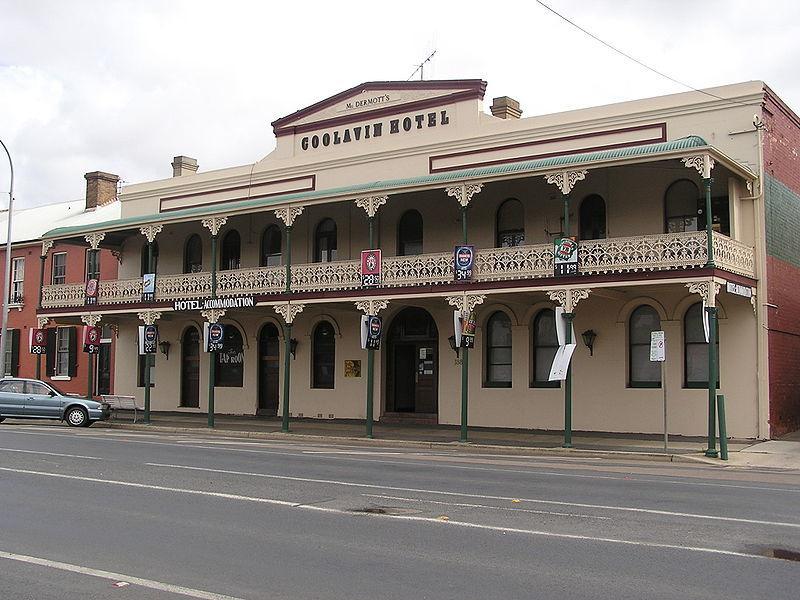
(661, 149)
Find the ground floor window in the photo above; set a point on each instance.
(324, 356)
(498, 350)
(695, 349)
(229, 367)
(643, 372)
(544, 348)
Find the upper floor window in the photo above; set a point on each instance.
(409, 234)
(59, 266)
(145, 267)
(193, 254)
(271, 247)
(323, 356)
(17, 279)
(498, 350)
(231, 256)
(545, 345)
(510, 224)
(695, 349)
(681, 205)
(593, 218)
(92, 264)
(325, 241)
(642, 371)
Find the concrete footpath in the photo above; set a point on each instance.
(744, 453)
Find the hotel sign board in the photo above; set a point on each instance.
(219, 303)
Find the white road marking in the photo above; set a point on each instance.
(331, 456)
(507, 508)
(116, 577)
(51, 453)
(293, 505)
(482, 496)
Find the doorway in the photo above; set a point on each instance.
(268, 370)
(412, 365)
(190, 368)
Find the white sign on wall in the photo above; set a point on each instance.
(739, 290)
(658, 349)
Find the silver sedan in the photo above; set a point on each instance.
(34, 399)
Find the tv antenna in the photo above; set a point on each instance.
(421, 68)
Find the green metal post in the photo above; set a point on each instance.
(723, 430)
(370, 351)
(712, 381)
(90, 378)
(287, 365)
(709, 224)
(146, 359)
(287, 337)
(568, 387)
(464, 354)
(212, 356)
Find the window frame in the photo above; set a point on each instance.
(518, 235)
(55, 277)
(490, 349)
(581, 217)
(17, 287)
(328, 235)
(316, 364)
(228, 260)
(697, 385)
(633, 383)
(402, 243)
(264, 257)
(188, 267)
(534, 383)
(92, 256)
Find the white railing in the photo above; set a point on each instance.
(614, 255)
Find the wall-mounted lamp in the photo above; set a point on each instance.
(293, 347)
(164, 346)
(588, 338)
(453, 347)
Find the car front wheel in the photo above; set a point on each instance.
(77, 417)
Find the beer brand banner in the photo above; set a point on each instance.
(370, 268)
(91, 339)
(37, 341)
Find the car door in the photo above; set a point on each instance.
(12, 398)
(40, 402)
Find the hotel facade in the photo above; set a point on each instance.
(272, 251)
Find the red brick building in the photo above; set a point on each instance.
(65, 365)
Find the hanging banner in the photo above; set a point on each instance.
(565, 257)
(464, 262)
(148, 339)
(457, 327)
(371, 329)
(561, 327)
(92, 286)
(91, 339)
(214, 334)
(37, 341)
(705, 321)
(468, 328)
(558, 371)
(148, 287)
(370, 268)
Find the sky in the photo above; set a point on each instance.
(123, 86)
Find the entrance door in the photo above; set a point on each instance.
(268, 370)
(190, 368)
(412, 363)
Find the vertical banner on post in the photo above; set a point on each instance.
(705, 321)
(214, 335)
(464, 263)
(148, 287)
(91, 339)
(565, 257)
(37, 341)
(374, 329)
(370, 268)
(468, 330)
(148, 339)
(92, 286)
(558, 371)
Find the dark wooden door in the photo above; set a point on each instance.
(404, 376)
(268, 370)
(412, 362)
(190, 368)
(426, 380)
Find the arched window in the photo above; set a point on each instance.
(510, 224)
(498, 350)
(409, 234)
(229, 368)
(545, 346)
(231, 255)
(325, 241)
(695, 349)
(324, 356)
(193, 255)
(271, 247)
(642, 372)
(681, 204)
(145, 268)
(593, 218)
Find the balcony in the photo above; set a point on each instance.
(615, 255)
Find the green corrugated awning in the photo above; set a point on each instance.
(473, 174)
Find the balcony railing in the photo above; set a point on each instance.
(615, 255)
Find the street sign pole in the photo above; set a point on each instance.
(664, 388)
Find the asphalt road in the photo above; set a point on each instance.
(100, 513)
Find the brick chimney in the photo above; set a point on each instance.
(506, 108)
(101, 188)
(183, 165)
